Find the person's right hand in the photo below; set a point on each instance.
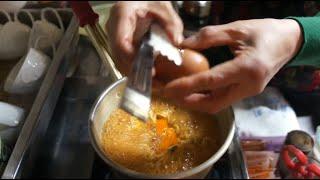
(260, 47)
(129, 21)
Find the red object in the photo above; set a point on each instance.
(315, 81)
(84, 12)
(301, 167)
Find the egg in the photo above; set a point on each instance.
(192, 62)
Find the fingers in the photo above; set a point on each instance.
(164, 13)
(120, 29)
(211, 103)
(128, 23)
(220, 76)
(221, 86)
(212, 36)
(142, 26)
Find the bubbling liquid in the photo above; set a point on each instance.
(173, 140)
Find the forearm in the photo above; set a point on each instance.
(302, 73)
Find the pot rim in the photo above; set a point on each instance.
(214, 158)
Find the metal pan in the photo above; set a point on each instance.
(110, 99)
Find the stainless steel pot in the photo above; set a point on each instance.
(109, 100)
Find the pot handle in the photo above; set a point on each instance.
(89, 20)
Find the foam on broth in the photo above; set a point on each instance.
(139, 146)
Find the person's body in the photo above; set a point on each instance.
(286, 51)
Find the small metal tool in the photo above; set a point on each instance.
(136, 98)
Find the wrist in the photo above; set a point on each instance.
(294, 33)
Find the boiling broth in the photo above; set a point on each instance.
(173, 139)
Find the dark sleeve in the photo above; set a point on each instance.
(302, 73)
(309, 54)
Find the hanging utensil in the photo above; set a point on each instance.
(88, 19)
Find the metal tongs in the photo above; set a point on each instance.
(136, 98)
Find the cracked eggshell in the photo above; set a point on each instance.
(162, 45)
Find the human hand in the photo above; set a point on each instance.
(260, 47)
(129, 21)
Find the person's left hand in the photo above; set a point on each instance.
(129, 21)
(261, 47)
